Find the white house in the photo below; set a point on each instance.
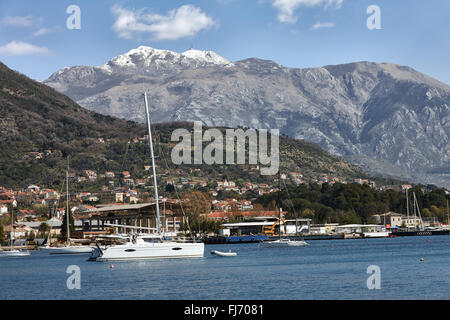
(3, 209)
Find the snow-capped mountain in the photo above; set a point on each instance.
(389, 119)
(144, 59)
(140, 61)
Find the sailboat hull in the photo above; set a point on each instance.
(165, 250)
(420, 233)
(14, 253)
(68, 250)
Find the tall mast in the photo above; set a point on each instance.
(12, 233)
(155, 183)
(418, 210)
(448, 217)
(420, 216)
(407, 209)
(67, 200)
(279, 202)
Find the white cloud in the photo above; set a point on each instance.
(44, 31)
(21, 21)
(185, 21)
(19, 48)
(286, 8)
(319, 25)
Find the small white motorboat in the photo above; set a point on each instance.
(285, 243)
(14, 253)
(224, 254)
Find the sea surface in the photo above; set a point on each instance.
(327, 269)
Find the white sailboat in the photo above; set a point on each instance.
(147, 246)
(284, 242)
(13, 252)
(68, 248)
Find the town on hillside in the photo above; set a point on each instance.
(212, 208)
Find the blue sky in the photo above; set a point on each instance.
(34, 38)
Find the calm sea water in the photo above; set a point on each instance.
(324, 270)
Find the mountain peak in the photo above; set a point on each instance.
(206, 56)
(144, 56)
(398, 72)
(386, 112)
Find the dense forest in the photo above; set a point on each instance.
(352, 203)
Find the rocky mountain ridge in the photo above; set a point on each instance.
(389, 119)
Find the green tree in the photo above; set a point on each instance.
(308, 213)
(170, 188)
(64, 225)
(43, 229)
(350, 217)
(427, 213)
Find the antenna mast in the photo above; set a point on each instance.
(155, 183)
(67, 196)
(407, 209)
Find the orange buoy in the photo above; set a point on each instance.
(111, 266)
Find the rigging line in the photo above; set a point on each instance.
(126, 153)
(60, 192)
(55, 206)
(172, 180)
(289, 196)
(292, 205)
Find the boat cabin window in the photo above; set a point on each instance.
(152, 240)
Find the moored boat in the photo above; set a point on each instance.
(14, 253)
(137, 246)
(284, 243)
(67, 249)
(378, 234)
(146, 247)
(223, 254)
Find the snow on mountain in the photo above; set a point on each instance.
(205, 56)
(149, 57)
